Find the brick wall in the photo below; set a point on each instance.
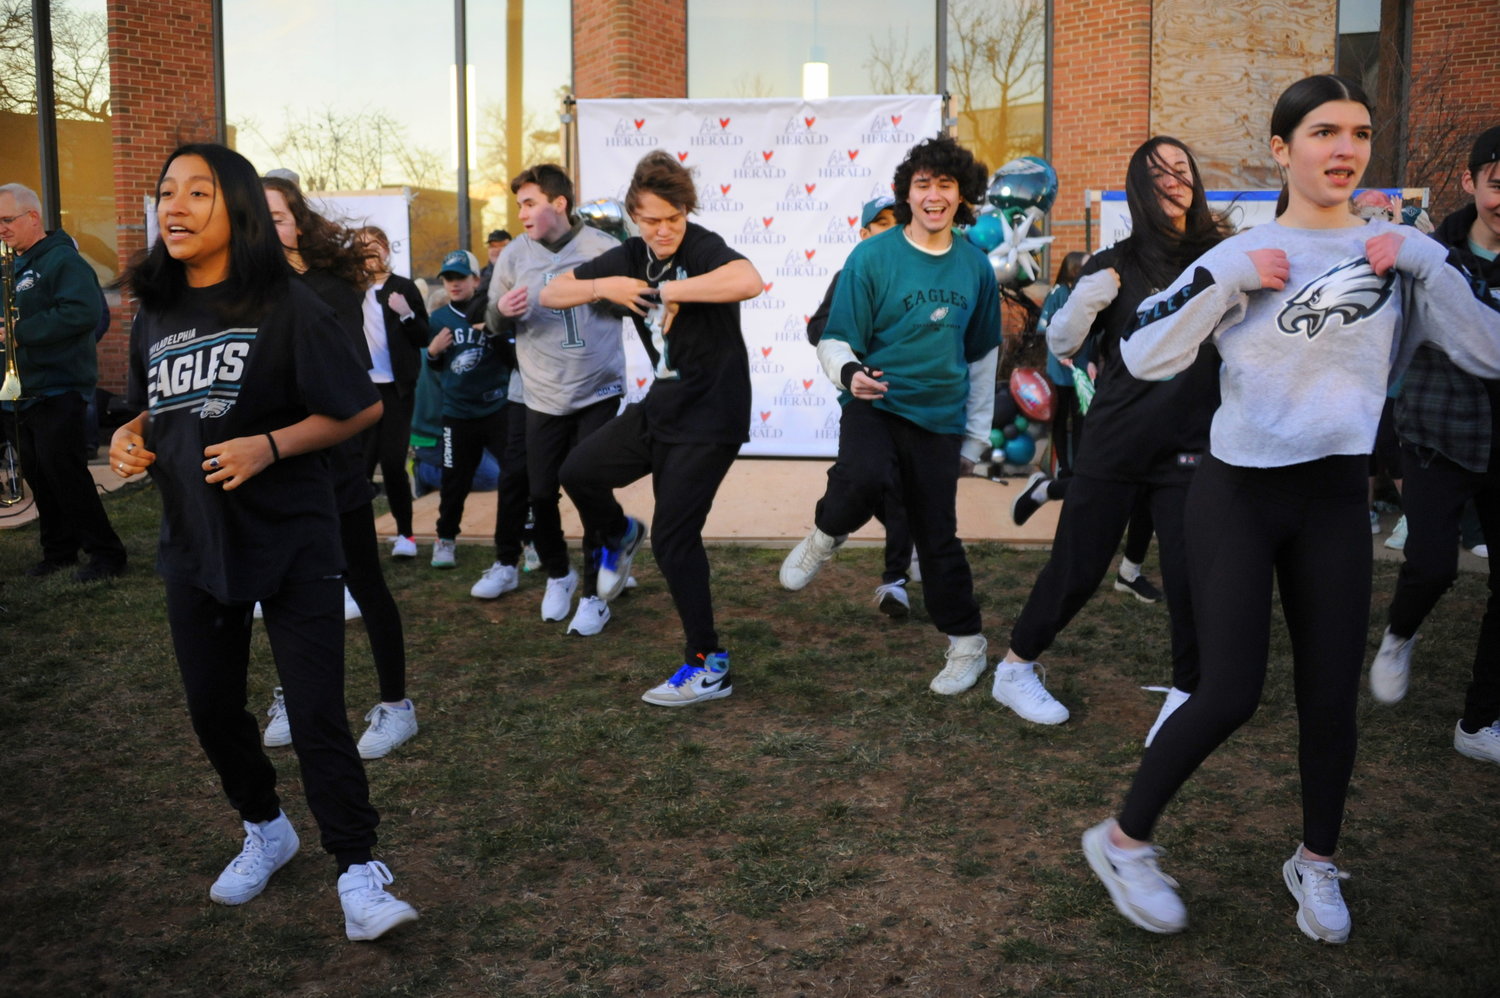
(629, 48)
(1101, 103)
(1454, 93)
(161, 95)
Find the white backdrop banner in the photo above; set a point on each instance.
(783, 181)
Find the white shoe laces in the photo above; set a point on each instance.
(253, 854)
(1324, 889)
(1030, 685)
(377, 875)
(1142, 870)
(894, 589)
(377, 716)
(278, 705)
(812, 555)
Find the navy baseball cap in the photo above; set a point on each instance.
(460, 262)
(873, 208)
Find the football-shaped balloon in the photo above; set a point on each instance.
(1032, 392)
(1024, 183)
(607, 215)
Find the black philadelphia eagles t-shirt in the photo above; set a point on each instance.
(702, 389)
(206, 380)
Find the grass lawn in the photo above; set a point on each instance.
(831, 829)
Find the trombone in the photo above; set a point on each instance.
(12, 486)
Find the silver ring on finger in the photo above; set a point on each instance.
(213, 463)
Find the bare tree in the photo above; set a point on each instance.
(540, 144)
(17, 64)
(80, 61)
(341, 150)
(1439, 130)
(996, 62)
(895, 69)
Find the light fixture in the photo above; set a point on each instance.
(814, 80)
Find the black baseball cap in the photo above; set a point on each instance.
(1486, 150)
(498, 236)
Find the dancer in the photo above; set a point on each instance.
(1449, 423)
(573, 364)
(683, 285)
(875, 217)
(912, 342)
(334, 268)
(243, 378)
(1144, 438)
(1308, 314)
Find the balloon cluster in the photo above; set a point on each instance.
(1022, 409)
(1021, 193)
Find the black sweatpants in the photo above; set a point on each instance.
(549, 440)
(70, 516)
(1308, 526)
(377, 607)
(870, 441)
(305, 624)
(464, 443)
(1094, 517)
(386, 446)
(685, 478)
(891, 513)
(1433, 497)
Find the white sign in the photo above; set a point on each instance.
(783, 181)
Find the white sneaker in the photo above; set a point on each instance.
(1140, 891)
(808, 558)
(444, 553)
(893, 600)
(614, 562)
(693, 683)
(258, 612)
(558, 599)
(592, 615)
(1396, 542)
(351, 607)
(1483, 744)
(1390, 673)
(369, 910)
(1480, 550)
(1321, 912)
(279, 728)
(268, 846)
(404, 547)
(1175, 698)
(914, 572)
(1018, 687)
(966, 663)
(496, 581)
(531, 561)
(389, 727)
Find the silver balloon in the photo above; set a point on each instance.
(607, 215)
(1015, 257)
(1007, 267)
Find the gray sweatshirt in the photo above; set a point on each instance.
(569, 358)
(1305, 369)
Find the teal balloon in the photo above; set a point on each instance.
(986, 232)
(1020, 450)
(1022, 422)
(995, 438)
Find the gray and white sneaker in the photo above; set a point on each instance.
(1390, 673)
(893, 600)
(268, 846)
(444, 553)
(592, 615)
(807, 559)
(496, 581)
(279, 728)
(1483, 744)
(558, 599)
(1321, 912)
(1140, 891)
(1019, 688)
(694, 682)
(965, 664)
(389, 727)
(370, 911)
(403, 547)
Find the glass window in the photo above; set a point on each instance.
(997, 76)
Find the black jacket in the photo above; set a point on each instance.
(408, 339)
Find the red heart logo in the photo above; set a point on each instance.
(723, 122)
(805, 318)
(765, 351)
(767, 221)
(724, 189)
(639, 122)
(809, 253)
(682, 157)
(809, 121)
(852, 220)
(767, 155)
(768, 287)
(807, 383)
(765, 416)
(895, 119)
(809, 187)
(853, 153)
(640, 382)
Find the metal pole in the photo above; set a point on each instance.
(46, 114)
(221, 121)
(942, 50)
(461, 91)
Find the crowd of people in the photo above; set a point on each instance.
(1234, 384)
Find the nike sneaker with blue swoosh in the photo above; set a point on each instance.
(706, 679)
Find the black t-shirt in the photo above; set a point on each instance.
(1138, 431)
(206, 380)
(702, 389)
(352, 487)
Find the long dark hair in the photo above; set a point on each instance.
(322, 244)
(1070, 268)
(1159, 250)
(1303, 98)
(941, 156)
(258, 271)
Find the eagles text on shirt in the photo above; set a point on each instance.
(186, 370)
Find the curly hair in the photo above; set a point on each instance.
(659, 173)
(322, 244)
(942, 156)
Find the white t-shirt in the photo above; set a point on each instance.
(380, 350)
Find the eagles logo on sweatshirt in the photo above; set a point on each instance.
(1350, 290)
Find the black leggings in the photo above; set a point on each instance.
(377, 607)
(1307, 526)
(386, 445)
